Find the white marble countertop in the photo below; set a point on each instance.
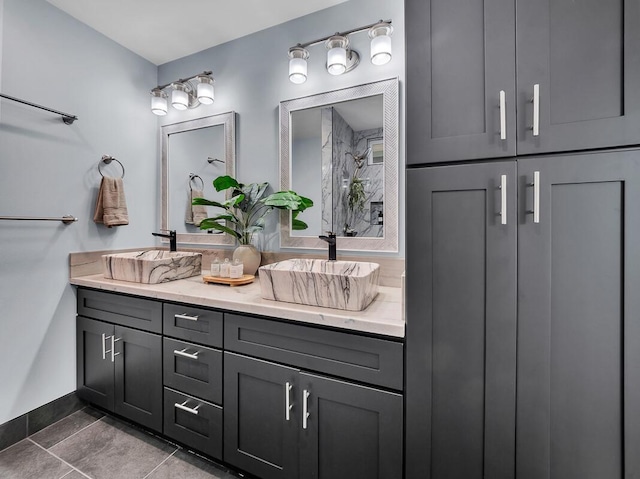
(383, 316)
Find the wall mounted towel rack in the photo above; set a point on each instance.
(67, 118)
(192, 180)
(66, 219)
(106, 159)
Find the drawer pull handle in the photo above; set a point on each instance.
(536, 110)
(305, 408)
(503, 199)
(184, 407)
(185, 354)
(104, 346)
(288, 405)
(186, 316)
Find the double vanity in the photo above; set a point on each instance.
(273, 388)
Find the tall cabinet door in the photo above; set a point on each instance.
(461, 322)
(138, 376)
(94, 366)
(584, 57)
(350, 430)
(578, 317)
(461, 57)
(260, 431)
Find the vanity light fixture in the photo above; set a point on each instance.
(185, 93)
(340, 58)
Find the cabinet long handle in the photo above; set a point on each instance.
(305, 408)
(104, 346)
(186, 408)
(287, 399)
(186, 316)
(536, 109)
(113, 348)
(536, 197)
(503, 115)
(185, 354)
(503, 199)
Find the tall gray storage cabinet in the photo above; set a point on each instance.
(523, 270)
(504, 77)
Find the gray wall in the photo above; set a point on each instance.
(252, 79)
(304, 179)
(50, 169)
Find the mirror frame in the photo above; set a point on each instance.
(389, 91)
(228, 121)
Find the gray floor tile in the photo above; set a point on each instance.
(109, 449)
(183, 465)
(66, 427)
(25, 460)
(52, 412)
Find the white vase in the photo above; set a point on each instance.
(250, 257)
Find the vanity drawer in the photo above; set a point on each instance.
(198, 325)
(347, 355)
(129, 311)
(193, 369)
(193, 422)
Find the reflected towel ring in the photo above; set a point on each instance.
(108, 159)
(192, 178)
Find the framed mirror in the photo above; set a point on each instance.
(194, 153)
(340, 149)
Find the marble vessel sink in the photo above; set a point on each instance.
(151, 267)
(350, 285)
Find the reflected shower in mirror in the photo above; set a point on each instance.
(341, 149)
(194, 153)
(341, 143)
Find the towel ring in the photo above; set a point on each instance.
(108, 159)
(192, 178)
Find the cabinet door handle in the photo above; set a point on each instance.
(104, 346)
(536, 197)
(186, 408)
(503, 115)
(113, 348)
(186, 316)
(503, 199)
(185, 354)
(305, 408)
(287, 399)
(536, 109)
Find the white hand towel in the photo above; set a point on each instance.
(196, 213)
(111, 207)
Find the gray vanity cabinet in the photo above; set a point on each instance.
(572, 226)
(461, 322)
(283, 419)
(577, 68)
(460, 80)
(123, 375)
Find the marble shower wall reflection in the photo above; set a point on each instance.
(341, 145)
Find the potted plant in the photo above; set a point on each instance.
(244, 214)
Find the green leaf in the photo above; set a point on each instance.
(283, 200)
(254, 229)
(205, 202)
(211, 224)
(298, 224)
(222, 183)
(233, 201)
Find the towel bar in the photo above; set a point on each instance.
(66, 219)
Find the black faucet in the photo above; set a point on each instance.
(173, 243)
(331, 239)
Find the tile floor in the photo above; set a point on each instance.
(90, 444)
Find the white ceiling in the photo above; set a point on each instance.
(164, 30)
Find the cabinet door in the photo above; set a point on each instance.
(260, 435)
(461, 322)
(578, 330)
(585, 57)
(138, 376)
(94, 366)
(461, 56)
(350, 430)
